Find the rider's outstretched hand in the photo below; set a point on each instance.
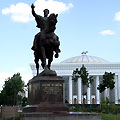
(32, 6)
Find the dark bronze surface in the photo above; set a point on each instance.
(46, 42)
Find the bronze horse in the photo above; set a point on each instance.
(47, 43)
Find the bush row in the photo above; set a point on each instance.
(115, 109)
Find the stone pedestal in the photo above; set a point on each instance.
(46, 94)
(46, 100)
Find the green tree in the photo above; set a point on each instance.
(24, 101)
(108, 82)
(12, 86)
(83, 74)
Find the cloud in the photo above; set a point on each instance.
(25, 73)
(21, 12)
(26, 77)
(117, 16)
(5, 75)
(52, 5)
(107, 32)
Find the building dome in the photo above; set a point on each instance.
(85, 59)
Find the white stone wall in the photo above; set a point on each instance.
(97, 70)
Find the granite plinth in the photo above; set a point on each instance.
(46, 94)
(68, 116)
(46, 89)
(46, 100)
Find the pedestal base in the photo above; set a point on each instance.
(46, 97)
(44, 108)
(68, 116)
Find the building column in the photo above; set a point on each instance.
(88, 95)
(119, 88)
(70, 90)
(116, 91)
(108, 93)
(79, 90)
(97, 91)
(105, 93)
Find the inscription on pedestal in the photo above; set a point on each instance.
(51, 88)
(51, 91)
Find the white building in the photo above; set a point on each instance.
(96, 67)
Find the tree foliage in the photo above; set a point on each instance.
(12, 86)
(83, 74)
(108, 82)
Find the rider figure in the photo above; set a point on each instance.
(43, 24)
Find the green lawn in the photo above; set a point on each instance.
(110, 117)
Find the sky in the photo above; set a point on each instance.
(83, 25)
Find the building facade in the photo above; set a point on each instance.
(75, 92)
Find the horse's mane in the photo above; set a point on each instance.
(53, 18)
(52, 21)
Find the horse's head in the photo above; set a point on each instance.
(52, 21)
(53, 18)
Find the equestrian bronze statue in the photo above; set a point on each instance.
(46, 42)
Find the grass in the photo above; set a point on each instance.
(110, 116)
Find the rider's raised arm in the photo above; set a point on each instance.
(33, 11)
(34, 14)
